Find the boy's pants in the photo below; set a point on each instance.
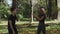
(41, 28)
(11, 32)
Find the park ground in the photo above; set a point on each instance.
(52, 27)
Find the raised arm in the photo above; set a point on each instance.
(38, 17)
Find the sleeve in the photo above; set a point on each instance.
(10, 18)
(41, 15)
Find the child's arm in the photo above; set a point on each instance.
(10, 22)
(38, 17)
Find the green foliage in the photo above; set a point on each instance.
(4, 10)
(23, 29)
(24, 9)
(52, 9)
(20, 16)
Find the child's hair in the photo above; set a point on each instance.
(12, 9)
(41, 7)
(40, 10)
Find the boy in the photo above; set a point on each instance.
(41, 18)
(11, 21)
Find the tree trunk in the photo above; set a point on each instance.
(58, 3)
(55, 11)
(52, 9)
(57, 8)
(31, 13)
(1, 0)
(14, 3)
(49, 8)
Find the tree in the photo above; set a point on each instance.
(14, 3)
(57, 8)
(49, 8)
(1, 0)
(4, 10)
(52, 9)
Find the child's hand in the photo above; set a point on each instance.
(13, 32)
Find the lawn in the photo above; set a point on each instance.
(51, 28)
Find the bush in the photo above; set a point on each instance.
(20, 16)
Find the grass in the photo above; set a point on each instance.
(24, 29)
(52, 28)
